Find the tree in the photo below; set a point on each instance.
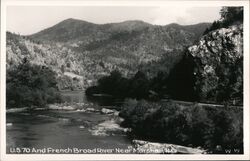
(230, 15)
(108, 84)
(31, 85)
(139, 86)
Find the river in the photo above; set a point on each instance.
(60, 129)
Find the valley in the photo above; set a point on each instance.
(132, 83)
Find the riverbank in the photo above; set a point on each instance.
(108, 127)
(61, 129)
(83, 107)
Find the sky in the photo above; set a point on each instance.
(27, 20)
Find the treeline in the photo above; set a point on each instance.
(117, 85)
(138, 86)
(229, 16)
(180, 84)
(145, 85)
(214, 129)
(30, 85)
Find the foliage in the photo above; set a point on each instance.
(140, 86)
(117, 85)
(186, 125)
(215, 25)
(229, 16)
(31, 85)
(17, 39)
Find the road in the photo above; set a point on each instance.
(202, 104)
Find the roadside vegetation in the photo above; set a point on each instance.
(214, 129)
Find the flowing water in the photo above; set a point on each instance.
(60, 129)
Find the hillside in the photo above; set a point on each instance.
(92, 50)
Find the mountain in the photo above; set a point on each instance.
(86, 51)
(73, 29)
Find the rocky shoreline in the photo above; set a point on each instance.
(109, 128)
(79, 107)
(146, 147)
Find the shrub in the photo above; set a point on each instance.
(186, 125)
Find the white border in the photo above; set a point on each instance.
(33, 157)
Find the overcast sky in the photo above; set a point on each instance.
(29, 19)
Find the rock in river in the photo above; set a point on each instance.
(60, 107)
(109, 127)
(107, 111)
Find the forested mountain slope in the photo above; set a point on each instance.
(87, 51)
